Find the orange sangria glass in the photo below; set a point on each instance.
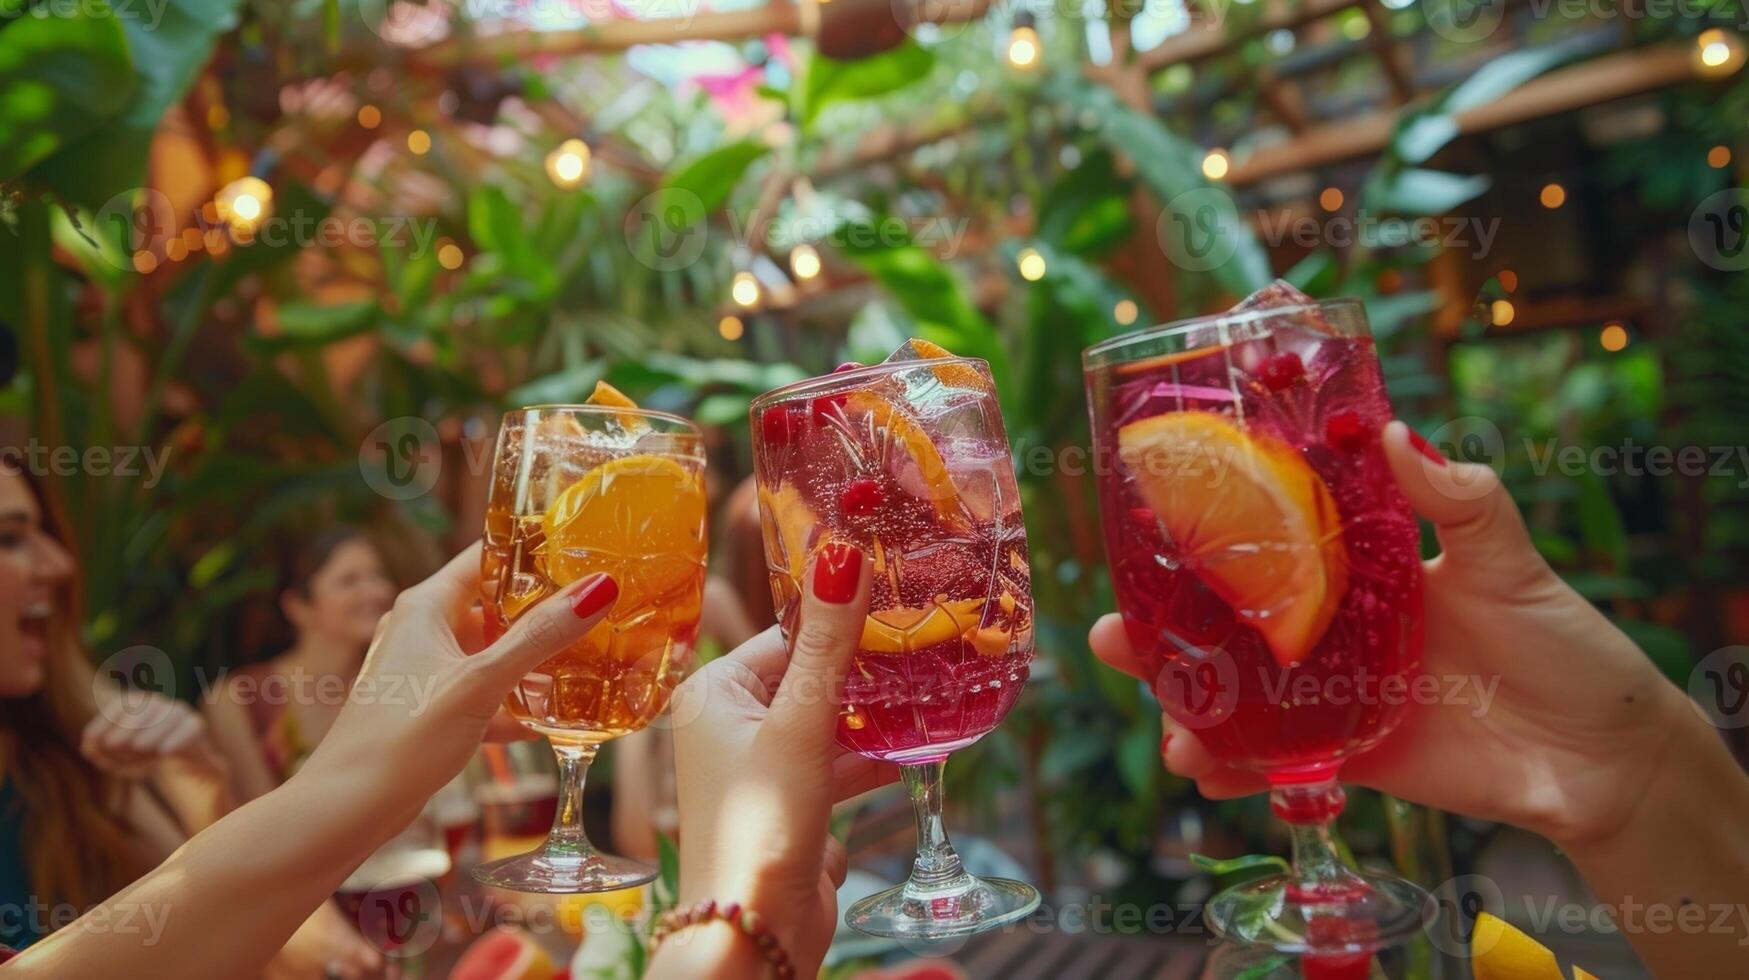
(908, 459)
(1266, 563)
(578, 490)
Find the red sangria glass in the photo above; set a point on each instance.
(909, 460)
(1269, 568)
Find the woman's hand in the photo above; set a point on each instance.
(134, 730)
(1578, 722)
(430, 686)
(758, 772)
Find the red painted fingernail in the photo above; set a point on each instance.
(837, 572)
(1165, 743)
(1425, 447)
(595, 597)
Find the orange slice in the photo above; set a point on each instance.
(957, 375)
(904, 629)
(1250, 516)
(937, 484)
(1500, 952)
(789, 517)
(640, 519)
(608, 396)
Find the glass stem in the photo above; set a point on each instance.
(1318, 873)
(937, 865)
(567, 835)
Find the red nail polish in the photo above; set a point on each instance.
(837, 572)
(1425, 447)
(595, 597)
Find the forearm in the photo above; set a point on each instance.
(227, 900)
(1673, 875)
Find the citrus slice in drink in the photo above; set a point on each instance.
(640, 519)
(905, 629)
(793, 521)
(1249, 517)
(608, 396)
(925, 472)
(955, 375)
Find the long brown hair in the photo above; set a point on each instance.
(79, 845)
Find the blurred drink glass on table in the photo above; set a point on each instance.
(579, 490)
(396, 896)
(909, 461)
(1264, 559)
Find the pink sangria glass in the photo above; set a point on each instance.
(909, 461)
(1269, 568)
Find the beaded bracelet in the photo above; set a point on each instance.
(745, 921)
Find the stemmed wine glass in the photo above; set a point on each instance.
(908, 459)
(578, 490)
(1264, 559)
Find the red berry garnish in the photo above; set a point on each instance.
(1278, 371)
(826, 408)
(1345, 431)
(778, 426)
(861, 498)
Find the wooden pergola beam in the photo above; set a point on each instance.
(1209, 36)
(1600, 80)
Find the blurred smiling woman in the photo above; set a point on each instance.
(77, 820)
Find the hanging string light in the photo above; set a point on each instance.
(1717, 53)
(1032, 264)
(804, 261)
(1216, 164)
(744, 290)
(1025, 48)
(568, 164)
(730, 327)
(244, 204)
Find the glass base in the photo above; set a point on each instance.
(554, 871)
(963, 907)
(1382, 912)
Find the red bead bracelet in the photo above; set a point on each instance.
(745, 921)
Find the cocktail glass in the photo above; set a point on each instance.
(578, 490)
(1265, 561)
(909, 460)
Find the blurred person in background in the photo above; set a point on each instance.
(97, 785)
(268, 717)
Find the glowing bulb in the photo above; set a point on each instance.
(1216, 164)
(1501, 312)
(745, 290)
(1330, 199)
(419, 141)
(804, 262)
(449, 255)
(1614, 337)
(1717, 53)
(1032, 265)
(1719, 157)
(1024, 48)
(568, 164)
(243, 203)
(1509, 280)
(731, 328)
(369, 116)
(1125, 312)
(1553, 196)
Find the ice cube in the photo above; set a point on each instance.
(1282, 293)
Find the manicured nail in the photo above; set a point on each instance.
(1425, 447)
(595, 596)
(1165, 744)
(837, 572)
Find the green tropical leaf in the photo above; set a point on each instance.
(829, 80)
(63, 77)
(713, 177)
(1423, 192)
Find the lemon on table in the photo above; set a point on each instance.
(1251, 518)
(640, 519)
(1498, 951)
